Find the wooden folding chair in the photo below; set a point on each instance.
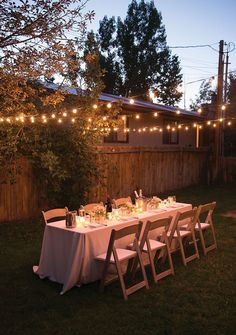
(54, 214)
(183, 228)
(119, 256)
(121, 201)
(91, 207)
(204, 223)
(158, 246)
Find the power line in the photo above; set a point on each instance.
(230, 44)
(195, 81)
(194, 46)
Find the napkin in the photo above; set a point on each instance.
(95, 225)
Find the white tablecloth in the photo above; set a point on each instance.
(67, 255)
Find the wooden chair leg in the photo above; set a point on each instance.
(202, 242)
(142, 268)
(182, 251)
(103, 279)
(195, 244)
(121, 279)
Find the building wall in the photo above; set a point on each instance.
(154, 138)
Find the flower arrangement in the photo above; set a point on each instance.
(99, 212)
(154, 202)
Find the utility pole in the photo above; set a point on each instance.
(226, 76)
(218, 149)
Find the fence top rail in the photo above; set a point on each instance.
(138, 149)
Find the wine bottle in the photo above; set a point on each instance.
(108, 205)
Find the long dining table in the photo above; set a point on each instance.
(68, 254)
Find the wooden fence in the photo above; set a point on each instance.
(154, 170)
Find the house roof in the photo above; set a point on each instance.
(145, 106)
(136, 106)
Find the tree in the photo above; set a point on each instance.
(108, 57)
(37, 119)
(135, 55)
(207, 95)
(230, 134)
(231, 95)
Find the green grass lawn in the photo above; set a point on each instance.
(199, 299)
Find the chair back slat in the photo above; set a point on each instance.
(91, 207)
(54, 214)
(207, 207)
(133, 229)
(164, 222)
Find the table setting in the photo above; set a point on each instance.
(70, 246)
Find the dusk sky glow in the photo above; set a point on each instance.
(187, 23)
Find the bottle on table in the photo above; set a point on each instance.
(108, 205)
(81, 211)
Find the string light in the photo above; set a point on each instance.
(131, 101)
(199, 110)
(43, 118)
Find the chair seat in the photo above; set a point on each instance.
(155, 245)
(122, 254)
(203, 226)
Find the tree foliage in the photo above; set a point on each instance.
(230, 133)
(37, 42)
(135, 55)
(206, 95)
